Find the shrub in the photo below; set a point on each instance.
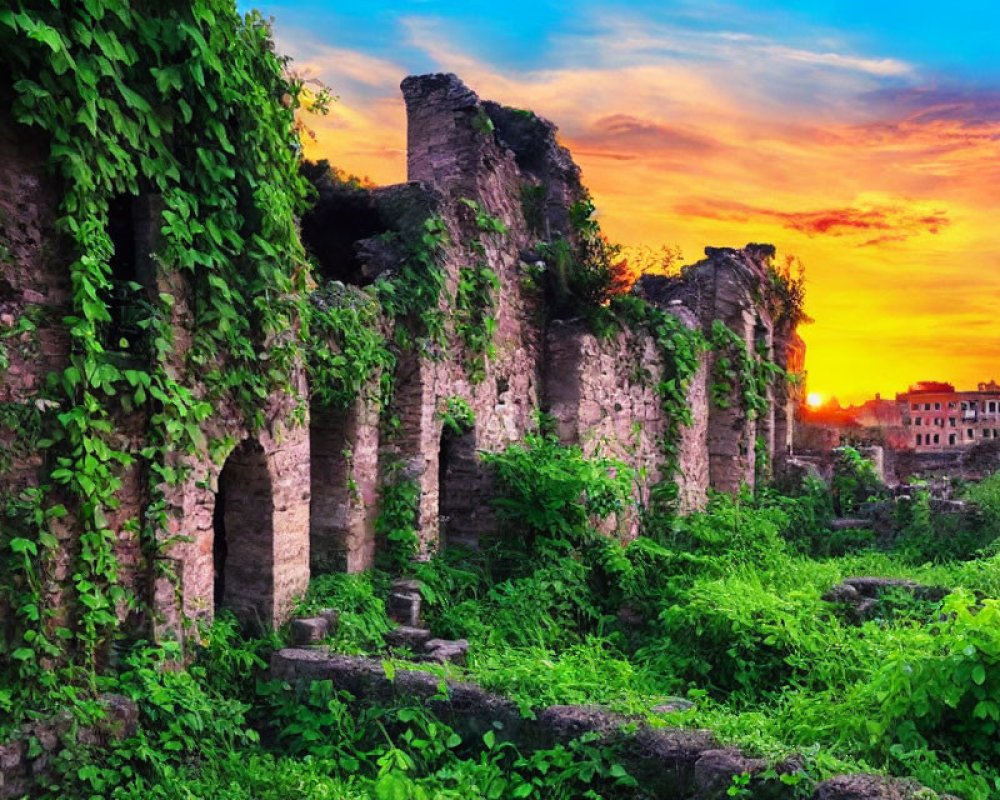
(552, 493)
(854, 481)
(947, 694)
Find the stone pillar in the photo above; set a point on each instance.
(344, 451)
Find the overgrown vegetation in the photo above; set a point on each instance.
(186, 102)
(724, 608)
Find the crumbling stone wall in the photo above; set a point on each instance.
(34, 286)
(309, 479)
(344, 450)
(602, 396)
(456, 157)
(730, 286)
(34, 293)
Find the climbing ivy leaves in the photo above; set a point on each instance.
(187, 102)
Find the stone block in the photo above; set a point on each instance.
(310, 630)
(332, 616)
(445, 651)
(409, 637)
(404, 608)
(715, 769)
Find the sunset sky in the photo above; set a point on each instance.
(863, 137)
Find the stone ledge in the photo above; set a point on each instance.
(669, 763)
(19, 771)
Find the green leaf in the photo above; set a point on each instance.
(21, 545)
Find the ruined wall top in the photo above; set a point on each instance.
(729, 276)
(455, 142)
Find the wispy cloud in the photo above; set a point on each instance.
(899, 221)
(694, 133)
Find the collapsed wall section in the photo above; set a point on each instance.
(751, 406)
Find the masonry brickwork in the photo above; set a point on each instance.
(247, 518)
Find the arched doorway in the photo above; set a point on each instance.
(243, 545)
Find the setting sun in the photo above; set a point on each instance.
(814, 399)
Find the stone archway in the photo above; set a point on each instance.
(243, 542)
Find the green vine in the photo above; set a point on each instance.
(736, 369)
(412, 296)
(348, 347)
(680, 351)
(188, 103)
(396, 524)
(456, 415)
(475, 298)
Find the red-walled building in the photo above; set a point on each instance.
(937, 417)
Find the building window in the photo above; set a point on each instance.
(970, 434)
(937, 439)
(917, 421)
(937, 406)
(951, 438)
(951, 404)
(920, 439)
(952, 421)
(915, 406)
(972, 404)
(927, 406)
(993, 406)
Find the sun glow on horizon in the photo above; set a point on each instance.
(814, 400)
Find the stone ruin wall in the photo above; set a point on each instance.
(602, 396)
(295, 488)
(34, 282)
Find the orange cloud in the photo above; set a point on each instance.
(883, 184)
(901, 222)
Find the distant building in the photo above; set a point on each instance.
(936, 417)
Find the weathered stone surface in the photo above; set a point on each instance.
(310, 630)
(332, 616)
(850, 523)
(668, 763)
(602, 395)
(19, 770)
(407, 636)
(446, 651)
(872, 787)
(403, 605)
(672, 705)
(714, 771)
(862, 596)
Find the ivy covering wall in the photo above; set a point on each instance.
(185, 102)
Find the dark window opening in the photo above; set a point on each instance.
(458, 482)
(760, 338)
(243, 543)
(133, 223)
(345, 215)
(219, 548)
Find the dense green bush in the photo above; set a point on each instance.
(550, 493)
(854, 481)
